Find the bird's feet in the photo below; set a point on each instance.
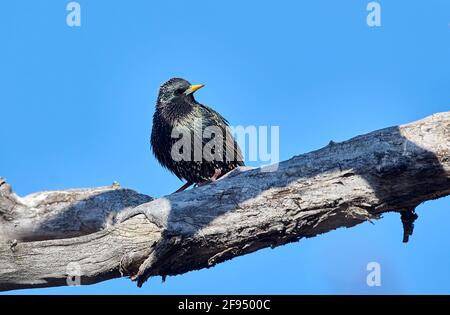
(217, 174)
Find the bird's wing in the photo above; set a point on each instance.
(219, 119)
(215, 119)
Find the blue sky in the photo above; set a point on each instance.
(76, 109)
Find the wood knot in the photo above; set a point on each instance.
(115, 184)
(12, 245)
(408, 218)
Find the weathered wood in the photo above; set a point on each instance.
(43, 235)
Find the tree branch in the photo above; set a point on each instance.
(44, 235)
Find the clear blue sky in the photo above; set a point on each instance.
(76, 108)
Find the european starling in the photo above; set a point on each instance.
(208, 149)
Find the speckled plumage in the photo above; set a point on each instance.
(175, 109)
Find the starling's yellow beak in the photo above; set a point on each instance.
(193, 88)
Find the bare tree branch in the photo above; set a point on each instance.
(394, 169)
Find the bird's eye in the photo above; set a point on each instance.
(179, 91)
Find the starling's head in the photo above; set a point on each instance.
(177, 91)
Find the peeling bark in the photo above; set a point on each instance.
(340, 185)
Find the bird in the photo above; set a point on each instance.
(208, 149)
